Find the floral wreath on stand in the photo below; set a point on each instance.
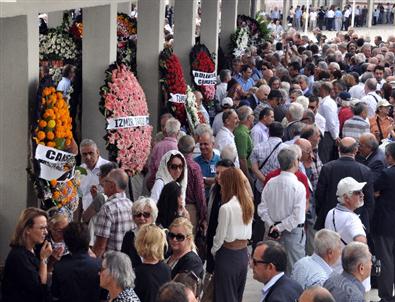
(203, 73)
(179, 97)
(123, 104)
(127, 40)
(55, 176)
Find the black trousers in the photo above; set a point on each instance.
(230, 274)
(327, 148)
(258, 226)
(385, 251)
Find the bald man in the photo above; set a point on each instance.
(316, 294)
(370, 154)
(332, 172)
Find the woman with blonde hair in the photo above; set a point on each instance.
(231, 238)
(25, 271)
(153, 272)
(183, 257)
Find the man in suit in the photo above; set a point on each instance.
(384, 225)
(332, 172)
(370, 154)
(268, 263)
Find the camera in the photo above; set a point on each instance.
(273, 233)
(376, 267)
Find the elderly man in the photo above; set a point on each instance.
(316, 294)
(226, 104)
(371, 97)
(260, 132)
(199, 105)
(169, 142)
(384, 225)
(225, 136)
(91, 162)
(160, 135)
(268, 264)
(381, 123)
(294, 116)
(283, 207)
(328, 109)
(304, 85)
(261, 94)
(333, 172)
(115, 217)
(195, 199)
(357, 265)
(243, 139)
(357, 125)
(370, 154)
(315, 269)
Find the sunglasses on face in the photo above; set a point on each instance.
(177, 237)
(144, 214)
(175, 167)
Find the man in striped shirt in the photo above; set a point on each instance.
(357, 125)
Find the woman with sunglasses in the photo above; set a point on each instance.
(231, 238)
(25, 271)
(172, 167)
(183, 257)
(153, 272)
(144, 212)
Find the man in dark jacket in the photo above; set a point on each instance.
(383, 225)
(332, 172)
(268, 264)
(370, 154)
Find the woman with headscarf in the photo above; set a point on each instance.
(172, 167)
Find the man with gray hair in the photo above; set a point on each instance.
(371, 97)
(169, 142)
(357, 265)
(115, 216)
(357, 125)
(91, 162)
(358, 91)
(283, 205)
(315, 269)
(261, 94)
(294, 116)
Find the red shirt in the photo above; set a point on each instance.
(345, 113)
(301, 177)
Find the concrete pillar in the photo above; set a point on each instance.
(253, 8)
(124, 7)
(18, 78)
(286, 7)
(263, 5)
(244, 7)
(184, 32)
(343, 4)
(210, 26)
(98, 51)
(149, 44)
(55, 18)
(228, 24)
(370, 13)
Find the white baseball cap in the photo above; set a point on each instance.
(383, 103)
(227, 101)
(348, 185)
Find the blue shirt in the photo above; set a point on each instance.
(246, 85)
(310, 271)
(207, 167)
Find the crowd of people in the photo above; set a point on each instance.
(299, 163)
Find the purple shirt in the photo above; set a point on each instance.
(160, 148)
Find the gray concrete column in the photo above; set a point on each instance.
(286, 7)
(98, 51)
(228, 23)
(184, 32)
(244, 7)
(263, 5)
(253, 8)
(370, 13)
(210, 25)
(124, 7)
(18, 78)
(55, 18)
(149, 44)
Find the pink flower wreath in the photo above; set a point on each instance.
(122, 96)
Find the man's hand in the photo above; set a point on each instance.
(93, 191)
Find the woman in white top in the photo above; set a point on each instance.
(233, 232)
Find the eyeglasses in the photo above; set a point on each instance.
(255, 262)
(177, 237)
(144, 214)
(175, 167)
(357, 193)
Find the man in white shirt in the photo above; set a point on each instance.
(226, 104)
(225, 135)
(328, 109)
(283, 207)
(91, 162)
(371, 98)
(268, 264)
(225, 76)
(314, 105)
(358, 91)
(260, 132)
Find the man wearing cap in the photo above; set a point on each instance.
(333, 172)
(357, 125)
(226, 104)
(381, 123)
(384, 225)
(345, 112)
